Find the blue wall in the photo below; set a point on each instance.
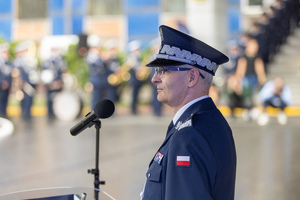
(142, 19)
(57, 10)
(6, 19)
(142, 16)
(233, 18)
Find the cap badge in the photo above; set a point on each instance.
(161, 34)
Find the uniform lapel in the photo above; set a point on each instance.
(203, 105)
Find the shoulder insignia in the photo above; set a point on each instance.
(183, 161)
(158, 157)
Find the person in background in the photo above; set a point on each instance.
(52, 71)
(26, 63)
(197, 160)
(238, 94)
(232, 88)
(134, 61)
(113, 64)
(266, 29)
(277, 94)
(251, 72)
(156, 105)
(5, 78)
(234, 53)
(261, 37)
(98, 73)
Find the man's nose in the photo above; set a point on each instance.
(155, 79)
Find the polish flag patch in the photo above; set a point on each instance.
(183, 161)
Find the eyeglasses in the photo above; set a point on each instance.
(161, 70)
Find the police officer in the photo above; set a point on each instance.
(5, 78)
(98, 74)
(134, 62)
(52, 71)
(156, 105)
(113, 64)
(26, 63)
(197, 160)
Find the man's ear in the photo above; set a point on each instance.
(194, 77)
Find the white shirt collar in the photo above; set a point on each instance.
(186, 106)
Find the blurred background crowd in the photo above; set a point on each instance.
(65, 76)
(74, 79)
(246, 74)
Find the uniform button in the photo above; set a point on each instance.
(149, 175)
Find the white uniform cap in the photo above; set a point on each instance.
(134, 45)
(94, 41)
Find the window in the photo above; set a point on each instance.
(252, 6)
(255, 2)
(106, 7)
(173, 6)
(29, 9)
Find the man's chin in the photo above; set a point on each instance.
(160, 99)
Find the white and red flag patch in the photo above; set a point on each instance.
(183, 161)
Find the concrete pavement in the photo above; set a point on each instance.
(41, 153)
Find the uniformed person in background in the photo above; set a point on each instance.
(98, 73)
(197, 160)
(113, 64)
(51, 75)
(5, 78)
(134, 62)
(156, 105)
(26, 63)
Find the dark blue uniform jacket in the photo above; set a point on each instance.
(197, 160)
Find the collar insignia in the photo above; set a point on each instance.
(181, 125)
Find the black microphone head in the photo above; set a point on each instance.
(104, 109)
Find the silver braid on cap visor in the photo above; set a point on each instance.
(174, 58)
(174, 53)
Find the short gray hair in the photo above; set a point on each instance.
(207, 80)
(208, 77)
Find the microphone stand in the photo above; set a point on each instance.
(96, 171)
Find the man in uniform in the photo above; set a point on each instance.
(5, 78)
(197, 160)
(113, 64)
(98, 74)
(26, 63)
(134, 61)
(52, 75)
(156, 105)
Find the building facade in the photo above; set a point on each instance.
(125, 20)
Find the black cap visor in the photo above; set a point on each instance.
(159, 62)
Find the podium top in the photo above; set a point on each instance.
(57, 193)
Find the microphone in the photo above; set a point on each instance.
(103, 109)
